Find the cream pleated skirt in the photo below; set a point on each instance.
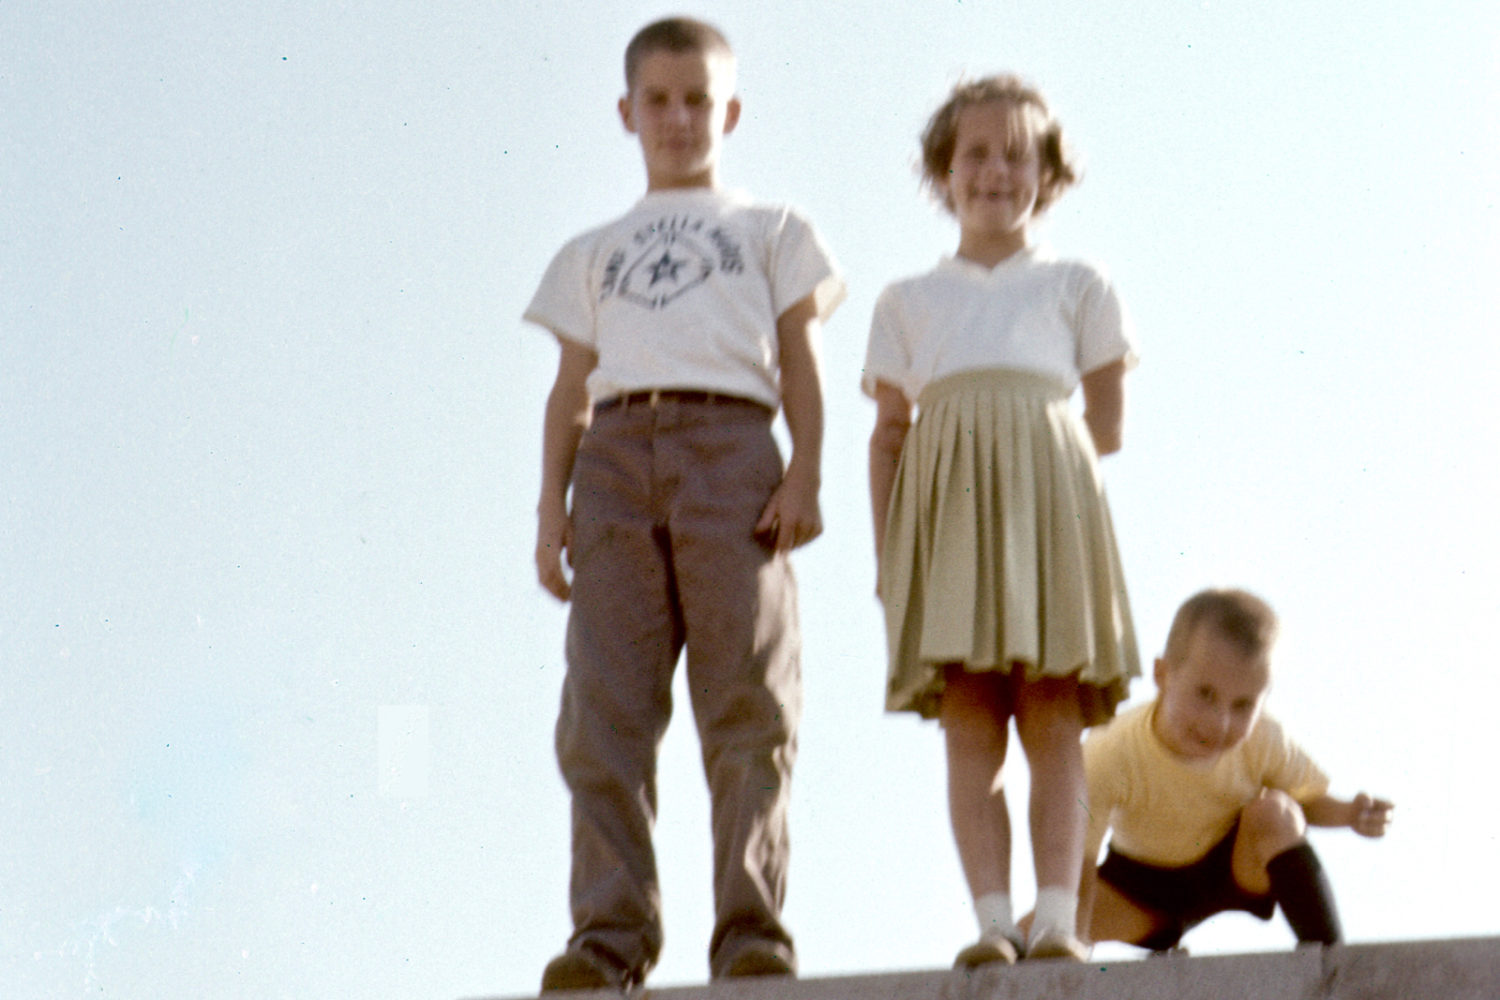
(999, 552)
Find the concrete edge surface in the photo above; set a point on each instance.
(1450, 969)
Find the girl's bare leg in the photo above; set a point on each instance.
(975, 718)
(1050, 724)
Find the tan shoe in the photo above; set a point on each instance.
(1057, 944)
(985, 951)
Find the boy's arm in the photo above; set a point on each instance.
(892, 422)
(1365, 815)
(567, 416)
(1104, 406)
(791, 516)
(1104, 772)
(1088, 879)
(1088, 884)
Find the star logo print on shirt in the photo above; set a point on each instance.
(668, 259)
(666, 269)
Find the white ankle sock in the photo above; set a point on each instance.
(996, 918)
(1056, 910)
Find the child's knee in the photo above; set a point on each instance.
(973, 707)
(971, 730)
(1048, 713)
(1273, 822)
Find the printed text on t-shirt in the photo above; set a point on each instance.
(668, 259)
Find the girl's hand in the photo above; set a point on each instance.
(1370, 816)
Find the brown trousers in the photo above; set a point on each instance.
(665, 498)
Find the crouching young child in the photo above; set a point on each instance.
(1206, 798)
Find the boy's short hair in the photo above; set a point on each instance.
(1058, 168)
(1241, 618)
(673, 34)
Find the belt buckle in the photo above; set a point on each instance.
(641, 397)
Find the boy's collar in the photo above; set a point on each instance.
(694, 194)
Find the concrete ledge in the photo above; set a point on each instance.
(1463, 969)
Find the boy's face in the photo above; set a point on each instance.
(1210, 698)
(681, 105)
(995, 174)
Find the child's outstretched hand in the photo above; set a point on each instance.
(1370, 816)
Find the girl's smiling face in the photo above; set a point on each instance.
(994, 177)
(1210, 698)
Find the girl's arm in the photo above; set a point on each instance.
(1365, 815)
(791, 517)
(567, 416)
(1104, 406)
(892, 421)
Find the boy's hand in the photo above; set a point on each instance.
(554, 537)
(1370, 815)
(791, 516)
(568, 414)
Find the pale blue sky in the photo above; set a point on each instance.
(271, 426)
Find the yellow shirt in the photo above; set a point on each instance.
(1167, 811)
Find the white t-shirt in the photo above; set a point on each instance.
(1030, 312)
(683, 292)
(1168, 811)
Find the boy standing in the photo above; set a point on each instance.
(1208, 798)
(683, 326)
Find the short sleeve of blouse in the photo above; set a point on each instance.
(1105, 333)
(887, 357)
(564, 302)
(802, 265)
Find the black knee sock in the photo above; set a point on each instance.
(1301, 887)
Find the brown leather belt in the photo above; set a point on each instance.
(653, 397)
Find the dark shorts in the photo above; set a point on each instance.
(1183, 897)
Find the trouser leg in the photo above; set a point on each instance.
(623, 640)
(744, 674)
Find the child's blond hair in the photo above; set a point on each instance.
(1238, 616)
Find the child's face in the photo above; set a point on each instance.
(681, 105)
(1210, 698)
(995, 173)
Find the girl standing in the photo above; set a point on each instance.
(998, 571)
